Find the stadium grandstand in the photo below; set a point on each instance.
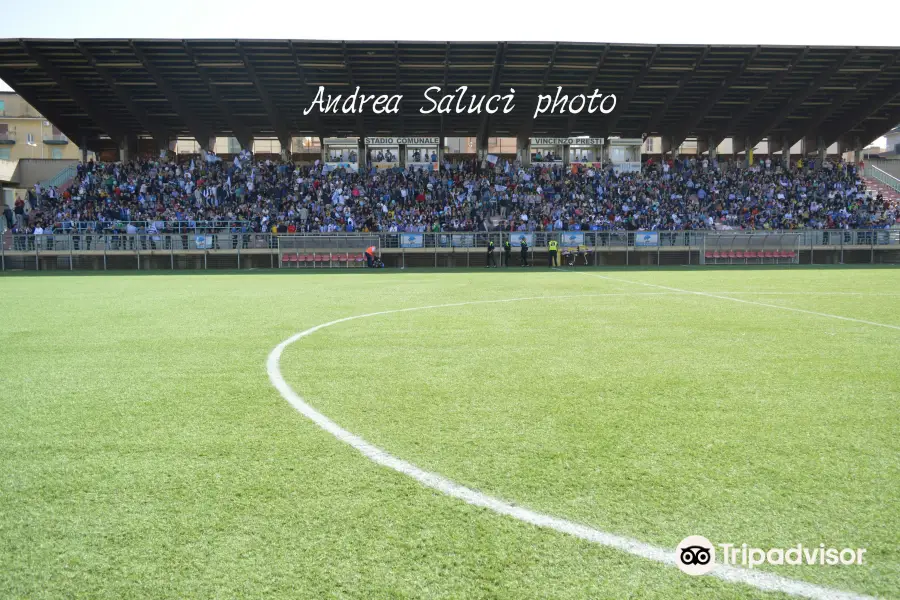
(777, 109)
(258, 348)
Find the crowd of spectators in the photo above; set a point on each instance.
(251, 195)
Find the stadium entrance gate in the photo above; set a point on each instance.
(741, 248)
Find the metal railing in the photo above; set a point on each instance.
(264, 250)
(60, 178)
(7, 136)
(882, 176)
(190, 241)
(56, 138)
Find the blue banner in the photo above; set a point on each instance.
(463, 241)
(412, 240)
(646, 238)
(570, 239)
(515, 239)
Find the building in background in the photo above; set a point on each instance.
(25, 133)
(892, 138)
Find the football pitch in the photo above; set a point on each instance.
(154, 444)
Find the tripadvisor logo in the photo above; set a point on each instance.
(696, 555)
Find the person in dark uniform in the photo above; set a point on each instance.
(490, 256)
(553, 248)
(524, 246)
(507, 253)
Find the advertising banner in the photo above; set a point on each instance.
(412, 240)
(646, 238)
(463, 241)
(515, 239)
(570, 239)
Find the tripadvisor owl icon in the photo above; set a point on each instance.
(695, 555)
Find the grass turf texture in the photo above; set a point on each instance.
(143, 452)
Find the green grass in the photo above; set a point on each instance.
(144, 454)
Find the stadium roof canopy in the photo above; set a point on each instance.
(98, 89)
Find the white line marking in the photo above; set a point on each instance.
(761, 580)
(709, 295)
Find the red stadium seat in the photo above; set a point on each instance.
(709, 254)
(739, 254)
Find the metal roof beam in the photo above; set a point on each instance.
(799, 98)
(808, 128)
(629, 95)
(529, 124)
(875, 128)
(446, 78)
(698, 115)
(660, 111)
(48, 110)
(278, 123)
(201, 132)
(313, 116)
(592, 79)
(241, 132)
(397, 86)
(495, 79)
(860, 113)
(360, 123)
(157, 130)
(113, 130)
(757, 99)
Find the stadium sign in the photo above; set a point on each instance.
(569, 141)
(391, 141)
(380, 141)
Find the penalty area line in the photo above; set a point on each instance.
(761, 580)
(741, 300)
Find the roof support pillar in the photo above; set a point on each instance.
(712, 147)
(166, 147)
(785, 151)
(823, 149)
(481, 145)
(522, 154)
(808, 145)
(128, 148)
(702, 146)
(286, 149)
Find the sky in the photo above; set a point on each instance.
(647, 21)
